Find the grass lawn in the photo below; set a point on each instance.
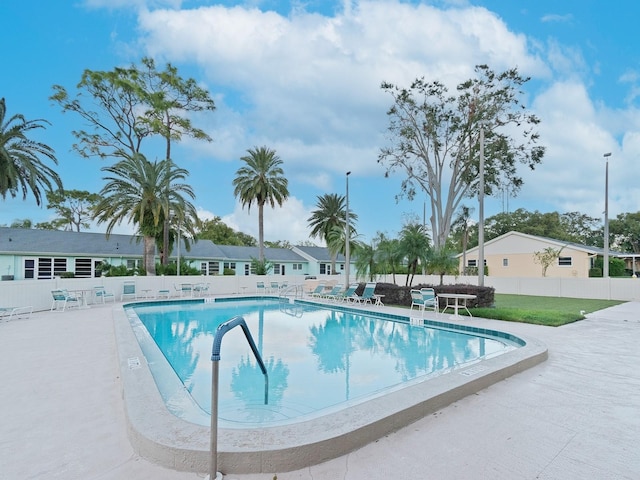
(550, 311)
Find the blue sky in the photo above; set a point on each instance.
(304, 79)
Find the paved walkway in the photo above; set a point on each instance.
(576, 416)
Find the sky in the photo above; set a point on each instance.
(303, 78)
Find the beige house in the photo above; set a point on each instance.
(513, 255)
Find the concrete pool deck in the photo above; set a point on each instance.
(577, 415)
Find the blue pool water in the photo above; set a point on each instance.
(318, 358)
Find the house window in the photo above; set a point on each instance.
(276, 269)
(247, 269)
(472, 263)
(565, 261)
(83, 267)
(297, 266)
(132, 264)
(29, 268)
(325, 269)
(229, 265)
(50, 267)
(203, 268)
(505, 262)
(214, 268)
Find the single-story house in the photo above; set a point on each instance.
(512, 255)
(43, 254)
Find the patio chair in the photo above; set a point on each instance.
(260, 288)
(430, 299)
(102, 296)
(274, 288)
(318, 291)
(348, 293)
(334, 293)
(367, 294)
(422, 300)
(62, 298)
(186, 289)
(10, 312)
(129, 290)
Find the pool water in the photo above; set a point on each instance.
(318, 358)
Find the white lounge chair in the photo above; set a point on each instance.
(129, 290)
(62, 298)
(102, 296)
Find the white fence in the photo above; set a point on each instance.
(37, 293)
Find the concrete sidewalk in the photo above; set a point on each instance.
(576, 416)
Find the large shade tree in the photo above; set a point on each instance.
(22, 159)
(145, 194)
(123, 107)
(261, 181)
(328, 219)
(434, 140)
(75, 208)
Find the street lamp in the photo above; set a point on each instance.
(346, 238)
(605, 261)
(481, 211)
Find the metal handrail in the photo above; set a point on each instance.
(215, 358)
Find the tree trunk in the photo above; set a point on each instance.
(149, 257)
(261, 231)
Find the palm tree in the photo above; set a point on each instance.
(366, 265)
(442, 261)
(388, 254)
(461, 225)
(329, 217)
(414, 245)
(146, 193)
(261, 181)
(21, 166)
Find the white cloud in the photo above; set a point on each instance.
(288, 222)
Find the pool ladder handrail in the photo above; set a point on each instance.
(215, 359)
(297, 290)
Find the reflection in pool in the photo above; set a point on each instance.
(318, 358)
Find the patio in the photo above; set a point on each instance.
(577, 415)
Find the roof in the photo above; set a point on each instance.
(552, 241)
(320, 254)
(25, 241)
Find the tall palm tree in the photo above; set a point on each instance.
(414, 244)
(330, 216)
(261, 180)
(461, 225)
(145, 193)
(21, 166)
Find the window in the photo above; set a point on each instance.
(229, 265)
(247, 269)
(131, 264)
(50, 267)
(297, 266)
(565, 261)
(214, 268)
(276, 269)
(325, 269)
(83, 267)
(472, 263)
(505, 262)
(29, 268)
(203, 268)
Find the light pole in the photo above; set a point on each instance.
(347, 234)
(481, 211)
(605, 261)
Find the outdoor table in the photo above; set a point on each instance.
(83, 294)
(378, 299)
(456, 301)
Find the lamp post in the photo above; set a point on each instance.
(605, 261)
(347, 234)
(481, 210)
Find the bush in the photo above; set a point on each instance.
(67, 275)
(397, 295)
(228, 271)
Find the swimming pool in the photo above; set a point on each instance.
(319, 358)
(286, 443)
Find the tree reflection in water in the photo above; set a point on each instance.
(316, 361)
